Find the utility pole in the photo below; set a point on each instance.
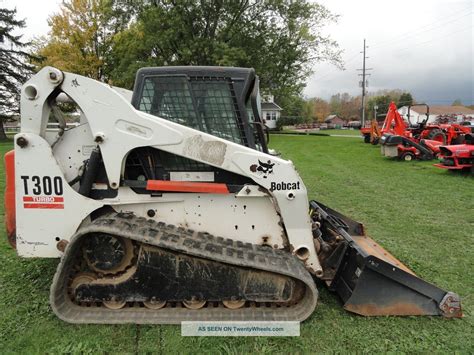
(364, 83)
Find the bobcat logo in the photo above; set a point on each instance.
(262, 168)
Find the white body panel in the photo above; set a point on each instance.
(120, 128)
(249, 219)
(39, 229)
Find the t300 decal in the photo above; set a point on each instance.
(43, 192)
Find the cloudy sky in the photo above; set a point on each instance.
(423, 46)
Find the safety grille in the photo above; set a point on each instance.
(208, 104)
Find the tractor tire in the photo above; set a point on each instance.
(375, 141)
(437, 135)
(408, 156)
(366, 138)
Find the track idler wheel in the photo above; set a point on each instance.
(234, 304)
(154, 304)
(114, 303)
(82, 278)
(194, 304)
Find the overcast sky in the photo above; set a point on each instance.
(423, 46)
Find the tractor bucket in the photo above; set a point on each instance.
(369, 280)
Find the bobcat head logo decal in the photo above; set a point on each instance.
(262, 168)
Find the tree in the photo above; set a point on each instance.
(280, 39)
(382, 99)
(345, 106)
(81, 36)
(14, 66)
(308, 112)
(457, 102)
(320, 109)
(292, 105)
(382, 102)
(405, 100)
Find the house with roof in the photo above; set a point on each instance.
(271, 112)
(334, 121)
(418, 113)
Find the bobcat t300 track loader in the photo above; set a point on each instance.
(164, 205)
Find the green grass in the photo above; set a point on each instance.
(422, 214)
(340, 132)
(343, 132)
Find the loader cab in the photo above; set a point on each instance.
(221, 101)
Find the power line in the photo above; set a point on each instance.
(410, 48)
(432, 41)
(332, 71)
(414, 32)
(408, 38)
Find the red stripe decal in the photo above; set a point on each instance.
(44, 205)
(43, 199)
(184, 186)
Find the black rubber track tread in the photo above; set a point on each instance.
(190, 242)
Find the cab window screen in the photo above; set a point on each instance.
(206, 104)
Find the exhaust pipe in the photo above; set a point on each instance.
(369, 280)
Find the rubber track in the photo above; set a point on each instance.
(189, 242)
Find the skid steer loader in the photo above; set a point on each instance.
(164, 205)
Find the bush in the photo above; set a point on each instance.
(288, 121)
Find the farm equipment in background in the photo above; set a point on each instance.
(371, 134)
(446, 133)
(393, 123)
(458, 157)
(421, 140)
(164, 205)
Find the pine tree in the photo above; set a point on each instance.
(14, 66)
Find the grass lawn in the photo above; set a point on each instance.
(343, 132)
(337, 132)
(421, 214)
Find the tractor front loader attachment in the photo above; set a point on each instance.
(369, 280)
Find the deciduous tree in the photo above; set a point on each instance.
(81, 35)
(280, 39)
(345, 105)
(320, 109)
(405, 100)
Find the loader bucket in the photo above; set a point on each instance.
(369, 280)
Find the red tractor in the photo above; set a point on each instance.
(458, 157)
(446, 133)
(421, 140)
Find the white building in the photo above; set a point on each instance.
(270, 111)
(418, 113)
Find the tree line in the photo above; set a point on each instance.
(109, 40)
(345, 106)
